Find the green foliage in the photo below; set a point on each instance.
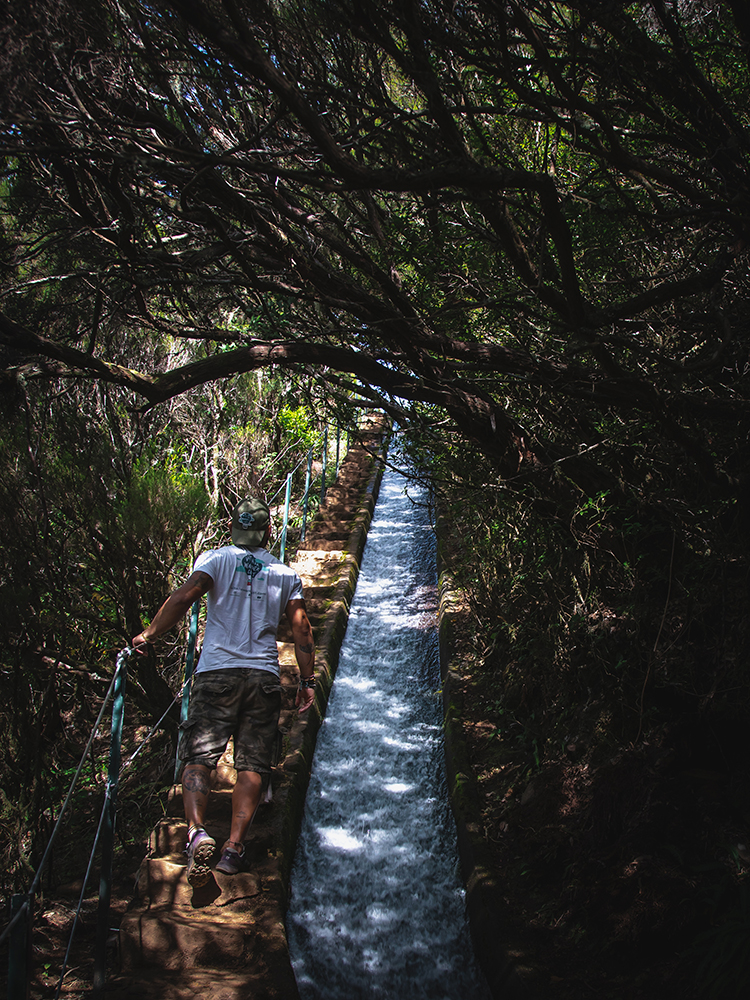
(163, 492)
(105, 510)
(298, 425)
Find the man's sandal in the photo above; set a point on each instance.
(231, 862)
(200, 850)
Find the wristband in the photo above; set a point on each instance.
(307, 682)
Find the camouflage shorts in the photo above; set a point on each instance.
(239, 703)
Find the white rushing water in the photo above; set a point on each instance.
(377, 907)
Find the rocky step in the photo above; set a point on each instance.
(346, 503)
(270, 978)
(162, 881)
(339, 513)
(343, 495)
(169, 836)
(347, 485)
(323, 545)
(316, 568)
(215, 928)
(317, 596)
(327, 530)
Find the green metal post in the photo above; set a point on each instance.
(189, 665)
(19, 941)
(338, 446)
(108, 827)
(189, 660)
(325, 463)
(287, 501)
(307, 494)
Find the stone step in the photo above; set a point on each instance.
(317, 569)
(271, 978)
(169, 836)
(322, 545)
(167, 839)
(346, 485)
(288, 662)
(319, 595)
(171, 938)
(325, 533)
(339, 512)
(338, 494)
(162, 881)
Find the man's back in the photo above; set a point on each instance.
(249, 594)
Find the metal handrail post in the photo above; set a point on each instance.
(325, 463)
(307, 494)
(19, 941)
(189, 660)
(287, 501)
(189, 666)
(108, 825)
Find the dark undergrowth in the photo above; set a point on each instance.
(621, 863)
(66, 904)
(606, 703)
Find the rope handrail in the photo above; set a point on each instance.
(281, 488)
(20, 951)
(153, 729)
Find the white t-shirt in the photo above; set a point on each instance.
(250, 592)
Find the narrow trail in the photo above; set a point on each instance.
(228, 941)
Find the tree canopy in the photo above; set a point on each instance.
(521, 228)
(531, 217)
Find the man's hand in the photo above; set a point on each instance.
(305, 698)
(140, 644)
(173, 609)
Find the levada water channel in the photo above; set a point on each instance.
(377, 908)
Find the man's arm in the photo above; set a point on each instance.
(304, 649)
(174, 608)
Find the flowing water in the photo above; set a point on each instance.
(377, 907)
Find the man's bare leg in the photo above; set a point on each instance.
(196, 787)
(245, 799)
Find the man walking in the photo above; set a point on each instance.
(236, 690)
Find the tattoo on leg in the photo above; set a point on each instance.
(195, 781)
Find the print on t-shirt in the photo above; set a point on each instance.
(250, 565)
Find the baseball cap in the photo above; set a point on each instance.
(250, 520)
